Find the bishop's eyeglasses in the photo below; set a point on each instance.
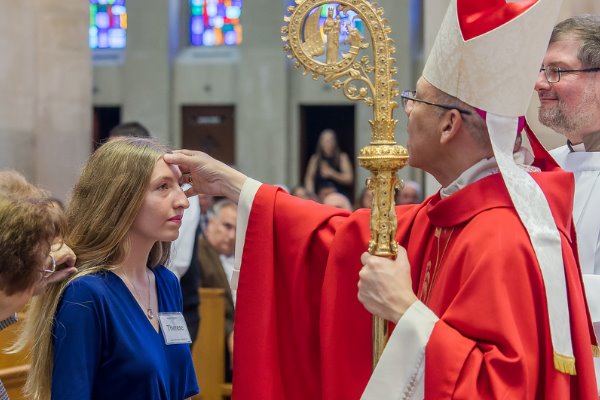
(409, 98)
(553, 73)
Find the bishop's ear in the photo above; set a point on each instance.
(450, 124)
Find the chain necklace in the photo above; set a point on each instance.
(149, 310)
(431, 274)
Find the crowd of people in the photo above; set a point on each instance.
(494, 292)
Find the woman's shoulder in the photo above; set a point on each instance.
(164, 275)
(87, 287)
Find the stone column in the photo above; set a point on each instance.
(262, 137)
(45, 91)
(147, 71)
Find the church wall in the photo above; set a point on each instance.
(45, 102)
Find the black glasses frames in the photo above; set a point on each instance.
(553, 73)
(408, 96)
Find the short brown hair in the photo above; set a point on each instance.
(586, 29)
(29, 226)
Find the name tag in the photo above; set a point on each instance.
(173, 328)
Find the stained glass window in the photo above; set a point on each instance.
(215, 22)
(347, 20)
(108, 24)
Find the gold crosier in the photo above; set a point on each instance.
(364, 80)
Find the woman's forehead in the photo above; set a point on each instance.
(162, 169)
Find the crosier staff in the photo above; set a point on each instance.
(360, 79)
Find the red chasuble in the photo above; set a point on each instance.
(302, 334)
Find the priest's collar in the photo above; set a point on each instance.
(590, 143)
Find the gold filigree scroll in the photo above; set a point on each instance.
(369, 79)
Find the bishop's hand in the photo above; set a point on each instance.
(385, 285)
(207, 175)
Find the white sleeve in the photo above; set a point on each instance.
(247, 195)
(183, 246)
(400, 371)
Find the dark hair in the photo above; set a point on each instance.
(133, 128)
(336, 151)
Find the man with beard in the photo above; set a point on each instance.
(569, 90)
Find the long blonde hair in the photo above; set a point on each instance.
(104, 205)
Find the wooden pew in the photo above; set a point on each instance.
(13, 379)
(13, 367)
(208, 352)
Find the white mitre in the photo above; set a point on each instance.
(488, 54)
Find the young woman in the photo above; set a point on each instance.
(329, 169)
(115, 330)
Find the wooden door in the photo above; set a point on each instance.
(210, 129)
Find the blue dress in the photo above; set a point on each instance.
(105, 347)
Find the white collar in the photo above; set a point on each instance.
(475, 172)
(579, 147)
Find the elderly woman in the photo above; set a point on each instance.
(30, 246)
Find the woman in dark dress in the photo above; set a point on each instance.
(329, 169)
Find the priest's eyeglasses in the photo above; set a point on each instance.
(553, 73)
(409, 98)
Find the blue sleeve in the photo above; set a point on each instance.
(77, 342)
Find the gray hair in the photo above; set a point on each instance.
(220, 205)
(474, 123)
(586, 29)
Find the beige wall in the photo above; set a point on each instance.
(45, 100)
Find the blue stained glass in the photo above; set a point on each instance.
(211, 9)
(116, 39)
(102, 40)
(230, 38)
(108, 24)
(233, 12)
(347, 21)
(116, 21)
(102, 20)
(196, 40)
(211, 20)
(208, 38)
(118, 10)
(217, 22)
(93, 37)
(197, 25)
